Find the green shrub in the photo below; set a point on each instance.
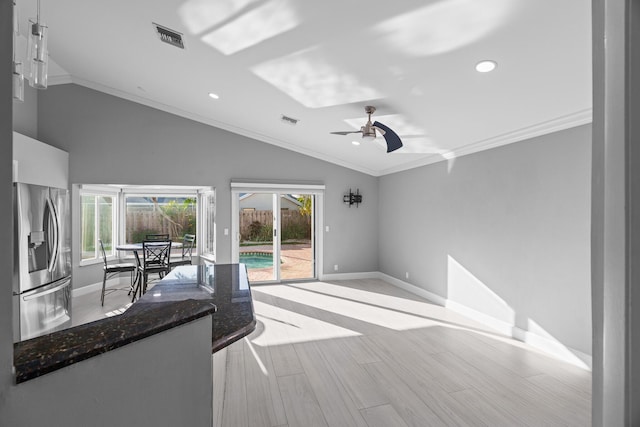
(296, 231)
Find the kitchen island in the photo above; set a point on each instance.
(186, 294)
(227, 287)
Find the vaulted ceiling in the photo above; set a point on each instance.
(322, 62)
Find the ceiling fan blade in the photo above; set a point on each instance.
(392, 138)
(346, 132)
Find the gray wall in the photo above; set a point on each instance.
(504, 231)
(25, 114)
(115, 141)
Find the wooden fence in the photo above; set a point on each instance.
(294, 224)
(152, 222)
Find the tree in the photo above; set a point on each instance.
(306, 204)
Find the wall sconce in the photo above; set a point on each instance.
(353, 198)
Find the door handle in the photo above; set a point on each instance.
(53, 218)
(47, 292)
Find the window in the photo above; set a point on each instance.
(97, 216)
(207, 224)
(158, 214)
(118, 214)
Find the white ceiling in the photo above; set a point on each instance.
(321, 62)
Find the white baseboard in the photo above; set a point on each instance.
(350, 276)
(547, 345)
(555, 348)
(114, 282)
(434, 298)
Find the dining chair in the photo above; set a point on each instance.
(188, 243)
(155, 260)
(157, 237)
(111, 270)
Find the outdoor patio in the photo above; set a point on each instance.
(296, 262)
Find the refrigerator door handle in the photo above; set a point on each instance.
(53, 219)
(47, 292)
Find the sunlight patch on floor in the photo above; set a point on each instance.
(387, 318)
(284, 327)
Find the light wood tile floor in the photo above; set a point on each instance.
(364, 353)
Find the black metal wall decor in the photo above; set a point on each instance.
(353, 198)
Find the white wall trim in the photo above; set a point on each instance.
(95, 287)
(549, 346)
(435, 298)
(553, 125)
(59, 80)
(578, 118)
(349, 276)
(247, 186)
(568, 354)
(221, 125)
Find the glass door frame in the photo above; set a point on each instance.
(317, 190)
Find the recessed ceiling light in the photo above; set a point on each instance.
(355, 142)
(486, 66)
(213, 95)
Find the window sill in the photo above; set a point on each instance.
(88, 262)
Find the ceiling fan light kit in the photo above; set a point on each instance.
(370, 130)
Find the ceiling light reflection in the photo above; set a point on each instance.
(254, 27)
(309, 78)
(444, 26)
(200, 15)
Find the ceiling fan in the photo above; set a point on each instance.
(369, 130)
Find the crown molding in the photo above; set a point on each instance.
(221, 125)
(578, 118)
(61, 79)
(553, 125)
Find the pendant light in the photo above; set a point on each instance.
(18, 77)
(38, 57)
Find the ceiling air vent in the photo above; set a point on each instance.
(289, 120)
(167, 35)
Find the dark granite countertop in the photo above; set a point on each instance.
(228, 286)
(186, 294)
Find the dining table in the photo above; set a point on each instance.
(136, 248)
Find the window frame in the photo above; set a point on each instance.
(159, 193)
(99, 192)
(118, 226)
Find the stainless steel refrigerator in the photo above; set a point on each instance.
(42, 261)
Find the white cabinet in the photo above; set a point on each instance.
(35, 162)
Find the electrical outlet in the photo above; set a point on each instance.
(406, 275)
(335, 267)
(327, 228)
(226, 231)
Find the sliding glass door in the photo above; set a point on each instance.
(275, 234)
(258, 226)
(297, 236)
